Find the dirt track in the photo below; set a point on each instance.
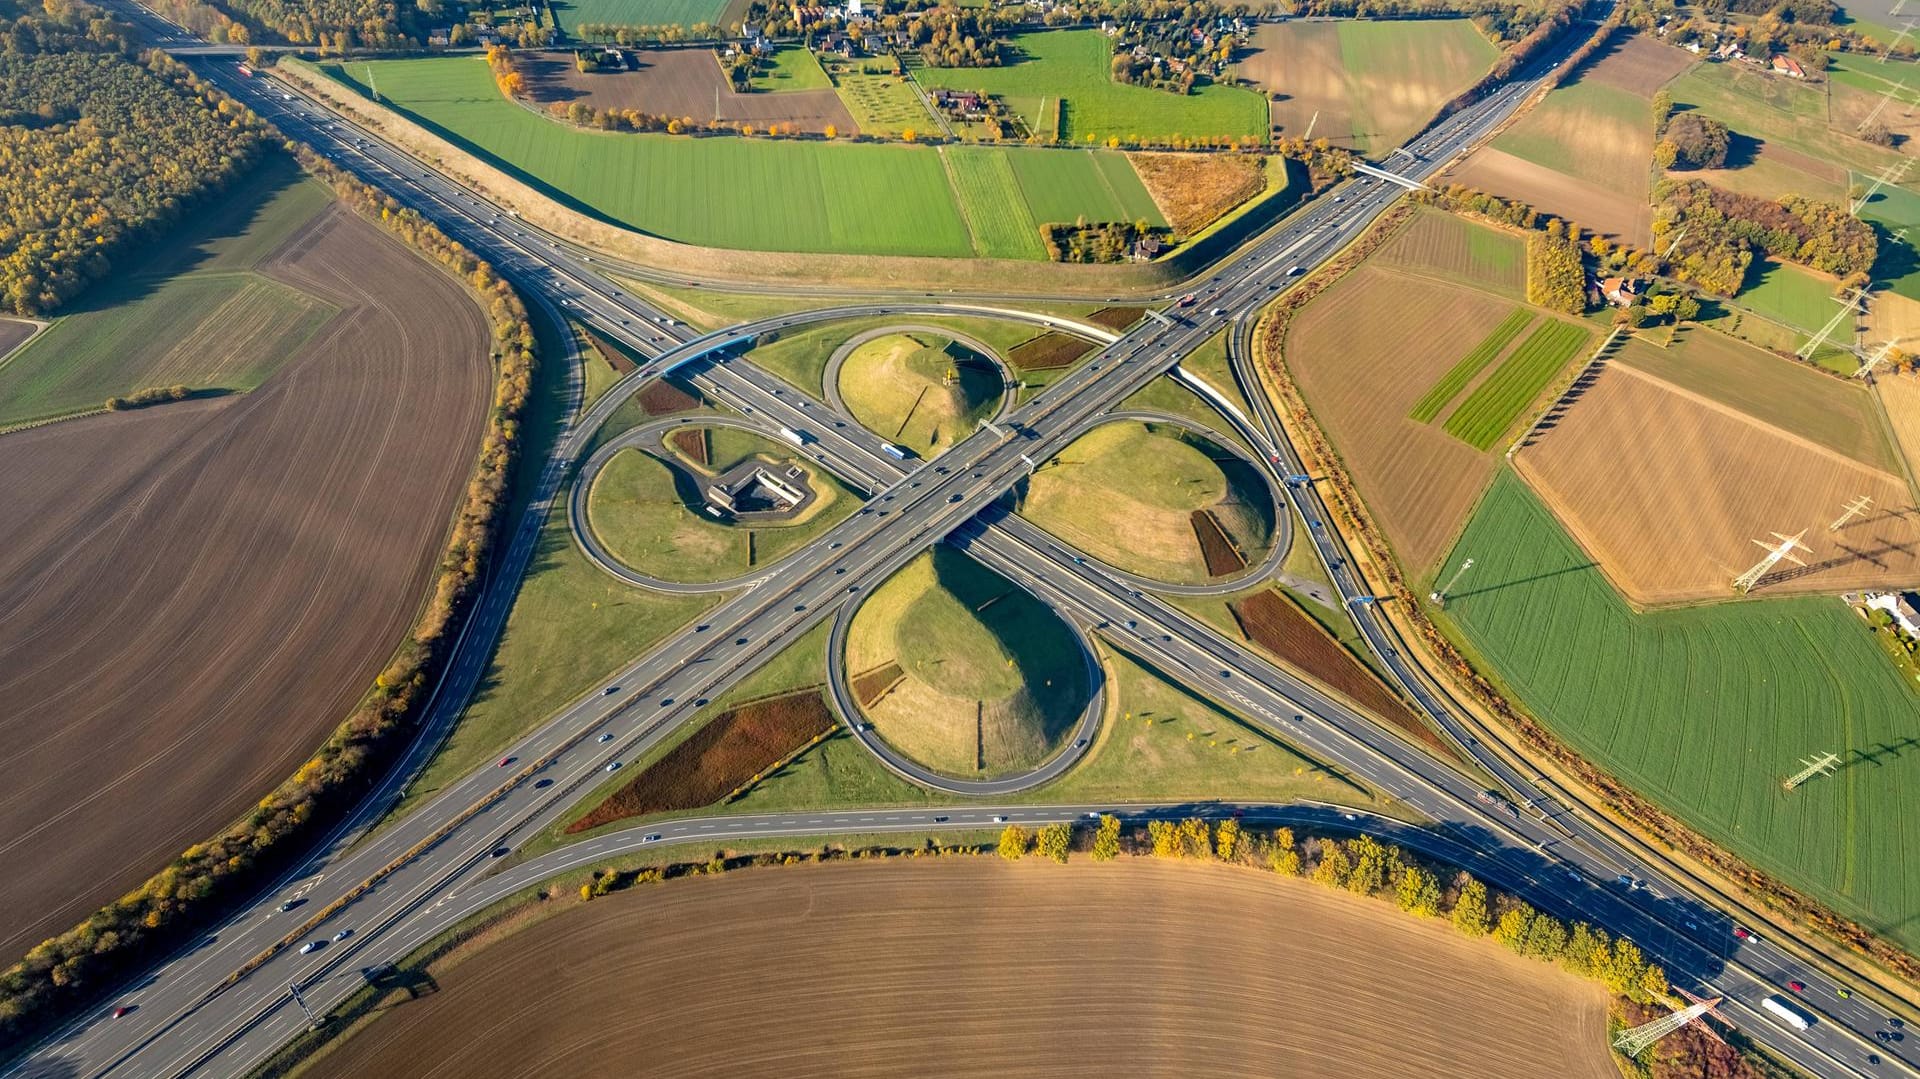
(683, 83)
(1668, 491)
(982, 968)
(192, 595)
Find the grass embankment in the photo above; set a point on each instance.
(920, 391)
(571, 624)
(782, 194)
(648, 508)
(1706, 709)
(1135, 495)
(984, 678)
(196, 311)
(800, 356)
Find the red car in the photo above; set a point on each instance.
(1741, 933)
(1798, 987)
(504, 761)
(124, 1009)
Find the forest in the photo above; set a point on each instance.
(100, 152)
(1713, 234)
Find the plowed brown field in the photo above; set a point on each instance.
(1638, 64)
(1594, 206)
(1668, 491)
(682, 83)
(1362, 354)
(12, 334)
(192, 595)
(976, 967)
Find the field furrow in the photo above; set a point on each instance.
(1492, 408)
(1456, 378)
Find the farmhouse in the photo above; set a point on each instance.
(760, 490)
(1618, 291)
(1788, 66)
(1900, 606)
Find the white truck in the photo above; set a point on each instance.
(798, 438)
(1787, 1013)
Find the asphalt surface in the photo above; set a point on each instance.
(223, 1004)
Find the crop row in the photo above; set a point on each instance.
(1456, 378)
(1492, 408)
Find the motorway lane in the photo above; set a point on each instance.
(1219, 288)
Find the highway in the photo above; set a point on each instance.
(223, 1004)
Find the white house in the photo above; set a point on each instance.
(1901, 606)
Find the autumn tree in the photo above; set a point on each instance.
(1106, 839)
(1283, 855)
(1556, 279)
(1470, 909)
(1054, 841)
(1013, 842)
(1418, 892)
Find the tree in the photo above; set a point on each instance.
(1369, 872)
(1013, 842)
(1196, 839)
(1226, 838)
(1662, 108)
(1282, 854)
(832, 132)
(1054, 841)
(1165, 838)
(1511, 929)
(908, 134)
(1699, 142)
(1334, 866)
(1106, 839)
(1418, 892)
(1470, 910)
(1556, 279)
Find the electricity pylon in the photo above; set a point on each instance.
(1635, 1040)
(1822, 765)
(1849, 307)
(1439, 595)
(1776, 552)
(1879, 357)
(1855, 508)
(1892, 174)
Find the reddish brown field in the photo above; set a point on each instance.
(12, 334)
(613, 356)
(1192, 190)
(192, 595)
(1116, 319)
(1362, 354)
(1601, 209)
(1668, 490)
(974, 967)
(1048, 350)
(691, 441)
(666, 396)
(870, 687)
(1215, 548)
(718, 759)
(681, 83)
(1271, 621)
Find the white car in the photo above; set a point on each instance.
(312, 946)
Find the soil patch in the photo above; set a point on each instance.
(733, 749)
(1049, 350)
(1271, 621)
(13, 334)
(691, 442)
(1667, 490)
(973, 967)
(868, 688)
(1117, 319)
(192, 596)
(1639, 65)
(1216, 550)
(680, 83)
(611, 354)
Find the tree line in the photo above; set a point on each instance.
(69, 971)
(1713, 235)
(99, 152)
(1365, 866)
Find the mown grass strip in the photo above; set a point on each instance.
(1490, 410)
(1456, 379)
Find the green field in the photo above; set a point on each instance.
(991, 201)
(1791, 296)
(1706, 709)
(792, 68)
(1493, 406)
(1782, 113)
(1075, 67)
(650, 515)
(800, 356)
(1456, 249)
(898, 387)
(780, 195)
(572, 13)
(991, 679)
(192, 312)
(1896, 211)
(1444, 391)
(1579, 129)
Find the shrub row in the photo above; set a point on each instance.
(64, 973)
(151, 396)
